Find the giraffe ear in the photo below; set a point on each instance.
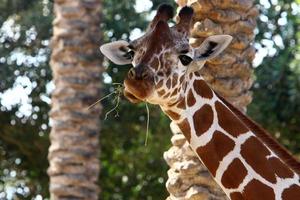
(209, 49)
(117, 52)
(212, 46)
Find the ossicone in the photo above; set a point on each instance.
(186, 12)
(165, 12)
(185, 19)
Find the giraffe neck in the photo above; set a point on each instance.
(240, 162)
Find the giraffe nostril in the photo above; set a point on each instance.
(131, 73)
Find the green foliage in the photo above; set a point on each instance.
(26, 29)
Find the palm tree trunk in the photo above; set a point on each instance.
(74, 151)
(230, 75)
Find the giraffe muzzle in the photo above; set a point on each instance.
(139, 84)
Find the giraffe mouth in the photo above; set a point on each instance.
(137, 91)
(131, 97)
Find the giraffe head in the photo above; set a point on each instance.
(162, 59)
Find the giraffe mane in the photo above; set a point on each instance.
(266, 137)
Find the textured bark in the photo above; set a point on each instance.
(230, 75)
(74, 151)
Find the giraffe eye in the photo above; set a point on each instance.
(129, 54)
(185, 60)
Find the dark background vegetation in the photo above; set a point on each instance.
(128, 167)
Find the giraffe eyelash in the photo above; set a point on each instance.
(184, 51)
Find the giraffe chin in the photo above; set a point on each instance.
(136, 93)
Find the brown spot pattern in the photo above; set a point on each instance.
(203, 119)
(281, 169)
(155, 63)
(166, 95)
(291, 193)
(266, 138)
(234, 175)
(168, 70)
(202, 89)
(161, 92)
(236, 196)
(181, 104)
(160, 73)
(228, 121)
(212, 153)
(174, 93)
(184, 86)
(181, 79)
(174, 80)
(159, 84)
(255, 154)
(191, 99)
(172, 115)
(258, 191)
(186, 129)
(168, 84)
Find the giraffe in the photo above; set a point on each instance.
(241, 156)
